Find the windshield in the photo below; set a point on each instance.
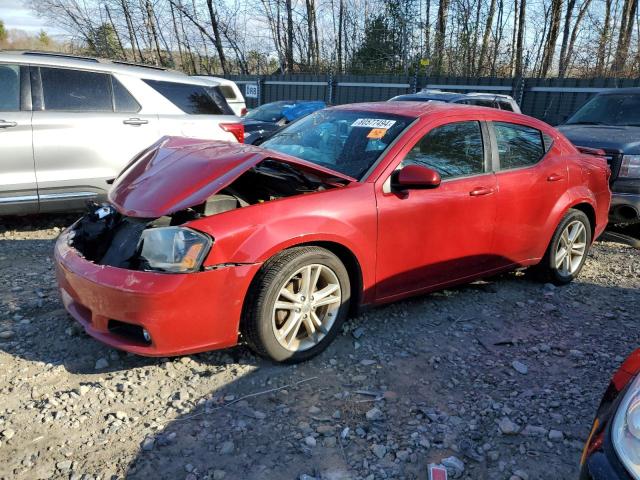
(346, 141)
(611, 109)
(270, 112)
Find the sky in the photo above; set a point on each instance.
(15, 14)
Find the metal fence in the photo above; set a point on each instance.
(551, 100)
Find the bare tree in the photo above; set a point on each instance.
(552, 37)
(441, 33)
(624, 36)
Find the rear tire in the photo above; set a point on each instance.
(567, 250)
(296, 304)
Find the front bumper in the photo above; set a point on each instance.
(625, 207)
(183, 313)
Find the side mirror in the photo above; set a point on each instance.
(415, 177)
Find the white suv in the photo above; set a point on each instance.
(68, 125)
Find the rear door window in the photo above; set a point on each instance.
(192, 99)
(76, 90)
(518, 145)
(453, 150)
(9, 88)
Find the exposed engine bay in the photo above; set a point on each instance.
(106, 237)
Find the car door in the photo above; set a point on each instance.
(532, 176)
(18, 187)
(86, 128)
(428, 238)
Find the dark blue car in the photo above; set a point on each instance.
(262, 122)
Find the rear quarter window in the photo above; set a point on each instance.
(228, 92)
(192, 99)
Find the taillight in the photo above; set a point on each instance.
(236, 129)
(243, 111)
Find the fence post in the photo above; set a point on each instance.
(260, 83)
(330, 88)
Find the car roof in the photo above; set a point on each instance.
(52, 59)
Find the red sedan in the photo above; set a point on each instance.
(354, 205)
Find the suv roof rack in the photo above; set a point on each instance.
(84, 58)
(62, 55)
(496, 95)
(135, 64)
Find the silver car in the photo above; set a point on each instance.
(68, 125)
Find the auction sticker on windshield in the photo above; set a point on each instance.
(373, 123)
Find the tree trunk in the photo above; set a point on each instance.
(514, 37)
(520, 43)
(624, 37)
(132, 35)
(566, 63)
(565, 38)
(441, 33)
(115, 30)
(153, 31)
(217, 39)
(604, 39)
(340, 33)
(289, 52)
(176, 32)
(482, 60)
(550, 46)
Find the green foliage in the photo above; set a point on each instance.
(104, 42)
(43, 38)
(376, 47)
(3, 32)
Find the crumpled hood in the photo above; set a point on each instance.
(610, 138)
(177, 173)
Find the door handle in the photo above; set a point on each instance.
(135, 121)
(554, 177)
(4, 124)
(477, 192)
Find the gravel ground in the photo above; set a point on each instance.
(499, 380)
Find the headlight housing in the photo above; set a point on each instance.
(173, 249)
(625, 430)
(630, 167)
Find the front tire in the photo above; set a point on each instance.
(567, 250)
(296, 304)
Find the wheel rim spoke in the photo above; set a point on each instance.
(328, 290)
(560, 257)
(280, 305)
(294, 334)
(327, 301)
(288, 326)
(284, 292)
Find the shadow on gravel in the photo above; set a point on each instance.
(266, 426)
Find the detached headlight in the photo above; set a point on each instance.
(174, 249)
(625, 432)
(630, 167)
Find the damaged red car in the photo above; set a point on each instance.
(355, 205)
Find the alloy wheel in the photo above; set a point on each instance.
(571, 249)
(306, 307)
